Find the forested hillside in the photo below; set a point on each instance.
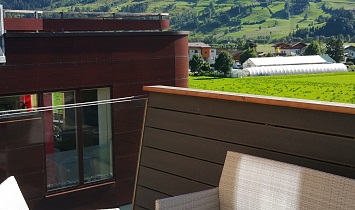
(25, 4)
(223, 21)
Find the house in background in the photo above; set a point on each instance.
(72, 104)
(206, 51)
(289, 48)
(349, 51)
(234, 53)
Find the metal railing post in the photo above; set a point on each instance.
(2, 32)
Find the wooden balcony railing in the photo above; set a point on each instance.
(188, 132)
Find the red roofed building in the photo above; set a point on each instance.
(289, 48)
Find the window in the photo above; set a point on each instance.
(78, 138)
(97, 136)
(16, 105)
(61, 140)
(196, 51)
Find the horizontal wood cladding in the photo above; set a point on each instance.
(195, 146)
(186, 138)
(284, 140)
(280, 116)
(145, 196)
(207, 173)
(168, 183)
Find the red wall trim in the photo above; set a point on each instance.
(56, 25)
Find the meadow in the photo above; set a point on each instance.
(331, 87)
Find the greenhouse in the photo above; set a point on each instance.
(290, 69)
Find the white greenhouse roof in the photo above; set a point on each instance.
(295, 69)
(290, 60)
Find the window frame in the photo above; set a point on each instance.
(80, 145)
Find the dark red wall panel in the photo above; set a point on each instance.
(181, 62)
(20, 132)
(23, 24)
(44, 62)
(56, 25)
(51, 63)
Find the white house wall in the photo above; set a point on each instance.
(196, 50)
(213, 56)
(193, 51)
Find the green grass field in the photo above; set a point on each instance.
(333, 87)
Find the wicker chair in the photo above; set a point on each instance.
(250, 182)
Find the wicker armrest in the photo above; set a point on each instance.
(202, 200)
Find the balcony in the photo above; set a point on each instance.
(188, 132)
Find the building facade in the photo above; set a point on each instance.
(289, 48)
(72, 105)
(207, 52)
(349, 51)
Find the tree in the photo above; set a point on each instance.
(224, 63)
(206, 68)
(249, 44)
(269, 54)
(249, 53)
(314, 48)
(335, 49)
(287, 10)
(196, 63)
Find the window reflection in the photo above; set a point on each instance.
(19, 104)
(61, 141)
(63, 144)
(97, 136)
